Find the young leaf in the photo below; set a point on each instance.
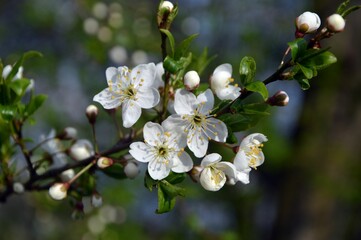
(19, 86)
(7, 112)
(307, 72)
(298, 47)
(20, 62)
(320, 61)
(115, 171)
(167, 194)
(259, 87)
(183, 47)
(201, 62)
(171, 65)
(247, 70)
(304, 84)
(171, 40)
(149, 182)
(175, 178)
(34, 104)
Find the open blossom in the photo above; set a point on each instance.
(221, 83)
(163, 149)
(133, 89)
(214, 174)
(250, 153)
(193, 117)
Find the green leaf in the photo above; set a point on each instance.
(20, 62)
(220, 106)
(247, 70)
(202, 61)
(7, 112)
(171, 65)
(251, 108)
(115, 171)
(167, 194)
(183, 47)
(304, 84)
(171, 41)
(19, 86)
(320, 61)
(342, 7)
(149, 182)
(307, 72)
(298, 47)
(184, 63)
(231, 138)
(238, 122)
(258, 87)
(34, 104)
(175, 178)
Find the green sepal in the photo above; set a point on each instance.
(171, 41)
(258, 87)
(183, 47)
(298, 47)
(247, 70)
(175, 178)
(115, 171)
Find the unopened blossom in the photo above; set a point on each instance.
(163, 150)
(250, 153)
(18, 187)
(168, 5)
(7, 69)
(308, 22)
(58, 191)
(104, 162)
(221, 83)
(191, 80)
(335, 23)
(131, 89)
(194, 118)
(81, 149)
(215, 172)
(91, 113)
(131, 169)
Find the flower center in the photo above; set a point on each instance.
(253, 154)
(216, 175)
(130, 91)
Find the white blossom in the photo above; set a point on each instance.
(214, 174)
(58, 191)
(308, 22)
(7, 69)
(221, 83)
(130, 88)
(249, 156)
(163, 149)
(81, 149)
(193, 117)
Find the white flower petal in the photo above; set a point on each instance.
(174, 122)
(197, 143)
(153, 133)
(184, 102)
(212, 179)
(241, 160)
(207, 100)
(216, 130)
(226, 67)
(243, 176)
(107, 99)
(182, 163)
(140, 151)
(158, 170)
(249, 140)
(211, 159)
(147, 98)
(130, 113)
(158, 81)
(228, 93)
(229, 169)
(145, 72)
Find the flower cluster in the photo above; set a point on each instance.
(190, 124)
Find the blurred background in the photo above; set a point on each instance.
(308, 188)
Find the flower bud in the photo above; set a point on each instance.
(81, 149)
(131, 170)
(308, 22)
(191, 80)
(96, 200)
(58, 191)
(91, 113)
(18, 187)
(335, 23)
(104, 162)
(167, 5)
(280, 98)
(68, 133)
(67, 175)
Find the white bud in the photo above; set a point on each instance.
(70, 133)
(18, 187)
(96, 200)
(91, 113)
(131, 170)
(335, 23)
(81, 149)
(308, 22)
(168, 5)
(67, 175)
(191, 80)
(58, 191)
(104, 162)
